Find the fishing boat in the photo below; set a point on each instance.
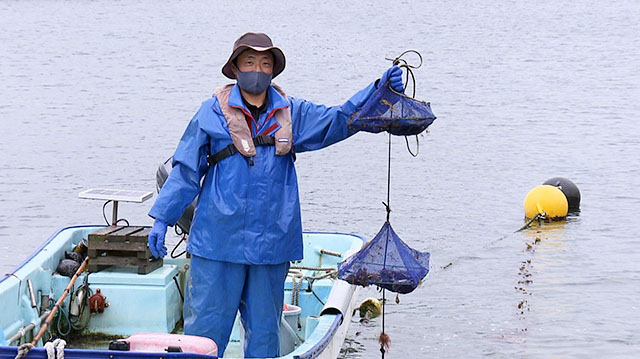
(121, 319)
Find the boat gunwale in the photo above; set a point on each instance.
(72, 353)
(56, 233)
(323, 343)
(42, 246)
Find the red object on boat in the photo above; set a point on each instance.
(98, 302)
(164, 342)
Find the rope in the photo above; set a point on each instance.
(295, 286)
(539, 217)
(326, 269)
(314, 294)
(48, 346)
(402, 63)
(55, 349)
(406, 139)
(384, 302)
(80, 321)
(63, 314)
(175, 279)
(23, 350)
(44, 326)
(329, 272)
(387, 204)
(332, 274)
(388, 207)
(184, 238)
(104, 215)
(297, 278)
(59, 344)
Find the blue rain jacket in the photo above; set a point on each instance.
(247, 213)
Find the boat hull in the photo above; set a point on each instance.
(325, 308)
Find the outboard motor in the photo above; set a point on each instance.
(161, 177)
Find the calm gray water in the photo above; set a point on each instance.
(96, 94)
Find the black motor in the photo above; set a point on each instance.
(161, 177)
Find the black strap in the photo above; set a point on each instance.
(231, 150)
(222, 154)
(263, 140)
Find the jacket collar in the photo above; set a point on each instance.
(276, 100)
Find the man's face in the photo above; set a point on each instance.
(251, 60)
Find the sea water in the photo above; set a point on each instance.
(97, 94)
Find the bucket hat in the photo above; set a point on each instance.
(257, 41)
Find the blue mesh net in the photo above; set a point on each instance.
(386, 261)
(392, 112)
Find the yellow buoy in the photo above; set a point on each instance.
(371, 306)
(547, 200)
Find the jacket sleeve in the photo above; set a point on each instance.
(189, 165)
(318, 126)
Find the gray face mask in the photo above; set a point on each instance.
(254, 82)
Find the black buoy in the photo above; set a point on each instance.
(569, 189)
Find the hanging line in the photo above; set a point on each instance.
(402, 63)
(384, 265)
(387, 205)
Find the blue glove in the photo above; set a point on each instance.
(156, 239)
(394, 76)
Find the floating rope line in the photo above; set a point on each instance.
(539, 217)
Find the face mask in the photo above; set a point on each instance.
(254, 82)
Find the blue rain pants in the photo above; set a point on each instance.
(217, 289)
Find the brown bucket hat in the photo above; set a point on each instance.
(259, 42)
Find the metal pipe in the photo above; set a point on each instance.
(114, 216)
(32, 294)
(26, 329)
(331, 253)
(44, 303)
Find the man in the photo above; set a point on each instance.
(247, 227)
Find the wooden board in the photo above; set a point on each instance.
(121, 246)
